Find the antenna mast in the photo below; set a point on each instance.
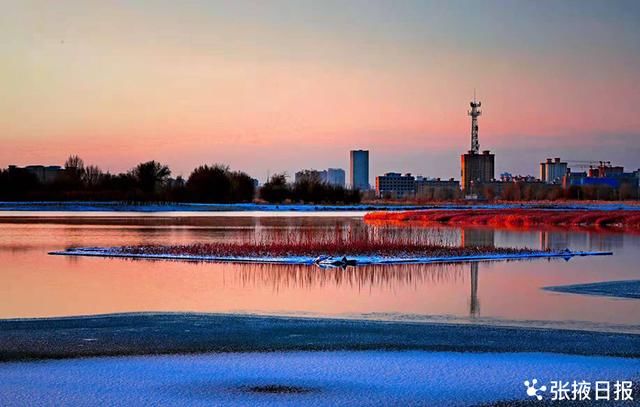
(474, 113)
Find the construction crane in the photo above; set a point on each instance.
(588, 163)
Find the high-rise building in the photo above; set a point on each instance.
(359, 166)
(476, 168)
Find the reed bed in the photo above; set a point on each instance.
(340, 241)
(515, 218)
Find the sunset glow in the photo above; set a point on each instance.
(274, 87)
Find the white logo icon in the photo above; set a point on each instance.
(532, 391)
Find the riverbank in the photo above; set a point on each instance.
(514, 218)
(124, 207)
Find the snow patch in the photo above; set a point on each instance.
(300, 378)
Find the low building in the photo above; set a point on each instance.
(604, 175)
(336, 176)
(45, 174)
(435, 188)
(573, 179)
(610, 182)
(395, 185)
(310, 176)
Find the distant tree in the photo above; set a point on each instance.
(628, 191)
(276, 189)
(312, 189)
(18, 184)
(308, 189)
(243, 188)
(92, 176)
(210, 184)
(554, 193)
(151, 176)
(74, 162)
(489, 193)
(151, 181)
(512, 192)
(71, 179)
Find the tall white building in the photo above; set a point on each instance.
(552, 171)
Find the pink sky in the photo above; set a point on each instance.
(278, 87)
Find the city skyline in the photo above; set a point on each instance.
(272, 89)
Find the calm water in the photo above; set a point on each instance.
(35, 284)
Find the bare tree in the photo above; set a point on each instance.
(74, 162)
(92, 175)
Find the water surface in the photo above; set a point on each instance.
(35, 284)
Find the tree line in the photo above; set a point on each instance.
(151, 181)
(517, 191)
(308, 189)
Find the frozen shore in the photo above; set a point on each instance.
(310, 260)
(205, 359)
(169, 333)
(302, 378)
(619, 289)
(209, 359)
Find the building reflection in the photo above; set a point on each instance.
(477, 237)
(580, 240)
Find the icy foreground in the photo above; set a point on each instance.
(299, 378)
(182, 333)
(309, 260)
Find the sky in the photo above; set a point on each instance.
(272, 86)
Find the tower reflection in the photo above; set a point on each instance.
(474, 303)
(476, 237)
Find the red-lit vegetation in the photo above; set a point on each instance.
(337, 242)
(514, 218)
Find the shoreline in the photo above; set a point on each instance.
(191, 333)
(213, 208)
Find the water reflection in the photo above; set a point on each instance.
(474, 303)
(34, 284)
(410, 276)
(477, 237)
